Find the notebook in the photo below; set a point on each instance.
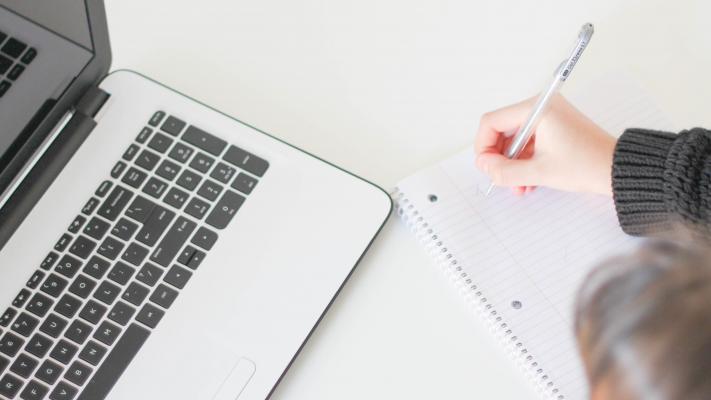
(520, 260)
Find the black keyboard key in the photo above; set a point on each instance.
(149, 274)
(121, 313)
(7, 317)
(164, 296)
(21, 298)
(115, 364)
(197, 208)
(189, 180)
(4, 362)
(63, 242)
(248, 162)
(130, 152)
(107, 292)
(117, 170)
(68, 266)
(147, 160)
(34, 391)
(173, 241)
(177, 276)
(156, 118)
(160, 143)
(38, 346)
(64, 351)
(96, 267)
(25, 324)
(140, 209)
(121, 273)
(68, 306)
(135, 293)
(15, 72)
(223, 172)
(204, 238)
(53, 326)
(104, 188)
(155, 225)
(24, 366)
(5, 64)
(202, 162)
(82, 286)
(110, 248)
(92, 312)
(49, 372)
(172, 125)
(49, 261)
(180, 153)
(134, 177)
(150, 315)
(83, 246)
(107, 333)
(115, 203)
(78, 332)
(63, 391)
(124, 229)
(14, 48)
(90, 206)
(203, 140)
(155, 188)
(168, 170)
(225, 209)
(135, 254)
(35, 279)
(78, 373)
(54, 285)
(244, 183)
(209, 190)
(176, 198)
(92, 353)
(40, 305)
(29, 56)
(144, 135)
(10, 386)
(76, 225)
(4, 87)
(10, 344)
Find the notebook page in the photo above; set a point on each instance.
(527, 256)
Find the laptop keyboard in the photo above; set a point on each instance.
(86, 311)
(14, 58)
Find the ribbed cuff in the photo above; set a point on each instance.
(638, 180)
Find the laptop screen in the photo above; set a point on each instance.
(44, 45)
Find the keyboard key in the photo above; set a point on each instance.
(248, 162)
(7, 317)
(203, 140)
(54, 325)
(204, 238)
(209, 190)
(4, 362)
(135, 254)
(34, 391)
(155, 225)
(29, 56)
(202, 162)
(134, 177)
(107, 292)
(121, 313)
(178, 276)
(38, 346)
(115, 364)
(130, 152)
(68, 306)
(54, 285)
(168, 170)
(4, 87)
(124, 229)
(83, 246)
(24, 366)
(180, 153)
(225, 209)
(10, 386)
(135, 293)
(155, 187)
(90, 206)
(160, 143)
(35, 279)
(21, 298)
(244, 183)
(78, 332)
(96, 267)
(25, 324)
(173, 241)
(147, 160)
(140, 209)
(110, 248)
(49, 261)
(10, 344)
(117, 170)
(104, 188)
(15, 72)
(92, 353)
(172, 125)
(149, 274)
(223, 172)
(78, 373)
(107, 333)
(82, 286)
(121, 273)
(49, 372)
(63, 351)
(14, 48)
(68, 266)
(176, 198)
(189, 180)
(156, 118)
(63, 242)
(115, 203)
(150, 315)
(144, 135)
(92, 312)
(40, 305)
(5, 64)
(197, 208)
(76, 225)
(164, 296)
(63, 391)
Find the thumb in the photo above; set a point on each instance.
(505, 172)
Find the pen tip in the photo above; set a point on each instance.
(489, 190)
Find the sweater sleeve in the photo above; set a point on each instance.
(661, 178)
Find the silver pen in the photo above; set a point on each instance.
(524, 133)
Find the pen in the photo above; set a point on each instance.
(561, 74)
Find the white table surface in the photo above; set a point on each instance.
(382, 88)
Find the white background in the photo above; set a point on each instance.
(383, 88)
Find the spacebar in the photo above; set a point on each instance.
(117, 361)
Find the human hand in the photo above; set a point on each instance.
(567, 151)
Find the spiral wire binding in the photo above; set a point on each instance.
(473, 295)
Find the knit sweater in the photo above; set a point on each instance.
(661, 178)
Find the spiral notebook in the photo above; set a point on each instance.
(520, 260)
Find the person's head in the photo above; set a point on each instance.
(643, 324)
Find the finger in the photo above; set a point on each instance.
(519, 190)
(505, 172)
(494, 123)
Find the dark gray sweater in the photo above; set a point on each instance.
(661, 178)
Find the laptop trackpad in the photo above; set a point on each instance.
(236, 380)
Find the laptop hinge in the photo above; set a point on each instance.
(92, 101)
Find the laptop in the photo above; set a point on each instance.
(152, 247)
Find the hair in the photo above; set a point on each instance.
(643, 324)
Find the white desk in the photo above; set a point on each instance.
(384, 87)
